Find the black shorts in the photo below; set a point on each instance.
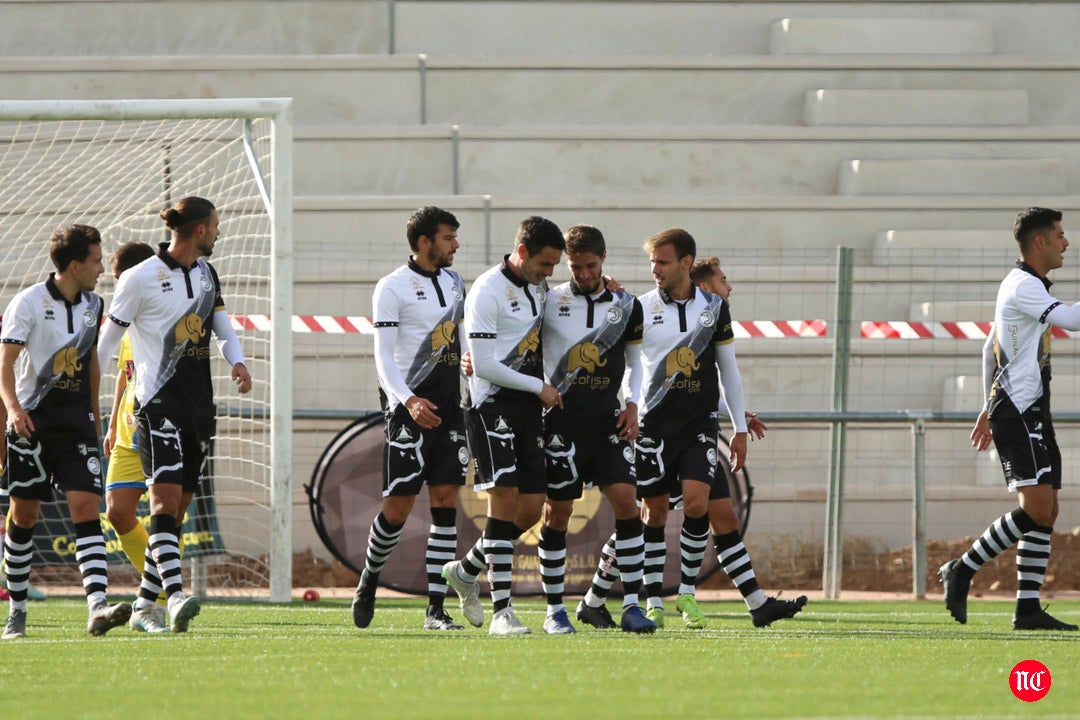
(663, 463)
(414, 456)
(1027, 446)
(34, 466)
(575, 462)
(174, 451)
(506, 439)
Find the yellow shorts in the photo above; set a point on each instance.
(125, 470)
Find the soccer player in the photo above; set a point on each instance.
(1016, 417)
(506, 396)
(124, 480)
(49, 377)
(418, 310)
(168, 305)
(592, 336)
(686, 338)
(707, 275)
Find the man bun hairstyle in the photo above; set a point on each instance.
(182, 217)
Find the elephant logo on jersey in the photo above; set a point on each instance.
(681, 360)
(190, 329)
(585, 355)
(442, 336)
(531, 343)
(66, 362)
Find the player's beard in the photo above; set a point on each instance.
(440, 261)
(596, 286)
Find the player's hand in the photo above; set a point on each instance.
(981, 437)
(754, 426)
(19, 421)
(423, 412)
(627, 423)
(611, 284)
(109, 441)
(737, 458)
(241, 377)
(550, 397)
(466, 363)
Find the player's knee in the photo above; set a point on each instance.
(557, 514)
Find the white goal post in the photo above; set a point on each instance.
(115, 164)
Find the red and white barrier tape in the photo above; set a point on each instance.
(871, 330)
(353, 324)
(935, 330)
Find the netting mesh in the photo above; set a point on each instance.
(117, 176)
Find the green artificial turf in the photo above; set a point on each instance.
(306, 660)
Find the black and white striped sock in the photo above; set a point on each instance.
(693, 539)
(630, 557)
(655, 554)
(552, 553)
(1001, 535)
(93, 562)
(441, 549)
(1032, 557)
(18, 550)
(498, 541)
(166, 551)
(607, 572)
(382, 539)
(735, 560)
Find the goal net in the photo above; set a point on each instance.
(115, 165)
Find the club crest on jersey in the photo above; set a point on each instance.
(511, 297)
(584, 355)
(681, 360)
(442, 336)
(418, 289)
(190, 330)
(614, 315)
(89, 318)
(531, 343)
(66, 362)
(206, 283)
(706, 319)
(455, 290)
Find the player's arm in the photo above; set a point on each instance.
(482, 327)
(95, 387)
(627, 422)
(118, 394)
(981, 436)
(731, 384)
(392, 380)
(17, 418)
(229, 346)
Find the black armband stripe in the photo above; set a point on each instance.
(1042, 318)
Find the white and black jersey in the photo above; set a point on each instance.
(679, 339)
(421, 310)
(52, 374)
(508, 312)
(168, 310)
(1022, 340)
(585, 339)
